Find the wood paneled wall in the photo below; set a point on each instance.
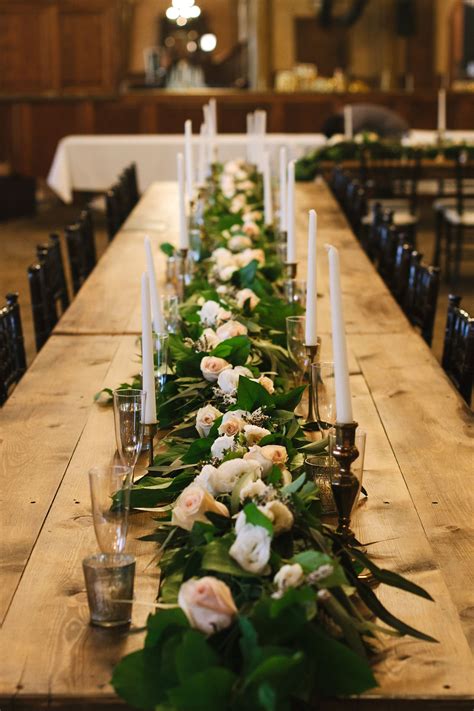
(63, 46)
(31, 128)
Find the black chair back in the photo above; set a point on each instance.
(55, 277)
(113, 212)
(388, 241)
(81, 249)
(401, 269)
(43, 317)
(12, 347)
(458, 351)
(422, 295)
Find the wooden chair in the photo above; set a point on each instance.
(422, 295)
(81, 250)
(113, 213)
(401, 269)
(388, 241)
(55, 278)
(43, 320)
(12, 347)
(458, 351)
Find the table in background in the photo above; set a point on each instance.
(418, 460)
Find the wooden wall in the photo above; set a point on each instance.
(61, 46)
(31, 128)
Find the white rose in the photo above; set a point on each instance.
(212, 313)
(239, 242)
(286, 477)
(248, 255)
(254, 215)
(203, 478)
(253, 434)
(211, 367)
(192, 505)
(237, 203)
(246, 184)
(208, 339)
(205, 418)
(222, 445)
(228, 380)
(280, 516)
(289, 576)
(207, 603)
(222, 257)
(276, 453)
(253, 489)
(266, 383)
(225, 273)
(230, 330)
(255, 454)
(251, 548)
(225, 477)
(247, 295)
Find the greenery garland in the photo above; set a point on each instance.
(370, 146)
(259, 602)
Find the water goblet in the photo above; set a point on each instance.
(160, 356)
(170, 308)
(295, 340)
(110, 496)
(295, 292)
(129, 406)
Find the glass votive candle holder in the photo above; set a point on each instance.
(295, 292)
(109, 584)
(321, 468)
(170, 307)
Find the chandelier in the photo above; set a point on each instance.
(182, 10)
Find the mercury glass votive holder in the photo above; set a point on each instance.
(109, 584)
(321, 468)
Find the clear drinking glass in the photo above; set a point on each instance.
(195, 242)
(295, 341)
(324, 395)
(109, 583)
(295, 292)
(110, 495)
(357, 466)
(161, 359)
(129, 406)
(170, 307)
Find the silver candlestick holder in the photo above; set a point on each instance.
(312, 352)
(149, 435)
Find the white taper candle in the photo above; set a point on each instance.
(202, 155)
(148, 368)
(290, 214)
(341, 368)
(311, 283)
(442, 110)
(183, 228)
(157, 314)
(348, 123)
(283, 164)
(249, 138)
(188, 157)
(267, 190)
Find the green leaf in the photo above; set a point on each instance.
(295, 485)
(245, 277)
(216, 558)
(273, 667)
(257, 518)
(163, 624)
(194, 655)
(210, 689)
(388, 577)
(312, 560)
(251, 396)
(235, 350)
(289, 400)
(133, 684)
(200, 449)
(167, 248)
(267, 696)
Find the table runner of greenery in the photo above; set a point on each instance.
(371, 147)
(259, 601)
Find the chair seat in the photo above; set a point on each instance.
(399, 219)
(465, 219)
(390, 203)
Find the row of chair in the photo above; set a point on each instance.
(48, 284)
(121, 199)
(414, 285)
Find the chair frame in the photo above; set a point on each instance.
(12, 346)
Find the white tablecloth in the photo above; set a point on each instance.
(92, 163)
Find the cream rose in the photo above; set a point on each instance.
(208, 339)
(232, 422)
(230, 330)
(225, 273)
(280, 516)
(207, 603)
(253, 434)
(202, 479)
(239, 242)
(192, 505)
(222, 257)
(237, 203)
(222, 445)
(248, 255)
(211, 367)
(276, 453)
(205, 418)
(266, 383)
(228, 380)
(251, 548)
(223, 479)
(289, 576)
(247, 295)
(212, 313)
(255, 454)
(250, 228)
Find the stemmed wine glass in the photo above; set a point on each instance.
(129, 408)
(324, 395)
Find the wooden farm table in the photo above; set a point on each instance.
(417, 518)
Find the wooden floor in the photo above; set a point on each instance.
(418, 472)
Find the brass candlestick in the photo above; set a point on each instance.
(149, 434)
(183, 252)
(345, 485)
(313, 354)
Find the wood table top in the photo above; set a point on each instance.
(417, 517)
